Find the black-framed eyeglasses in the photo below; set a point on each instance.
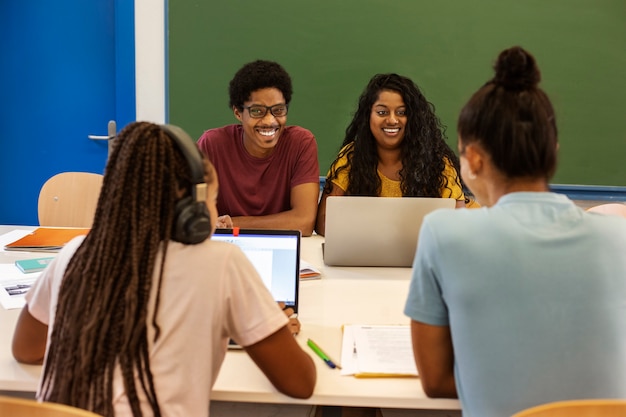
(258, 111)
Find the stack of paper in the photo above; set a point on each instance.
(308, 271)
(371, 351)
(14, 283)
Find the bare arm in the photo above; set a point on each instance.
(29, 339)
(301, 216)
(434, 357)
(285, 364)
(320, 224)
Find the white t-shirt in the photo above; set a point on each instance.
(209, 292)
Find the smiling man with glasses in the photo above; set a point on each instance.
(269, 172)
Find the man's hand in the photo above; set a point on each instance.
(224, 222)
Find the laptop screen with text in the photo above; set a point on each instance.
(275, 255)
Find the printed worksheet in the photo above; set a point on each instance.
(377, 351)
(14, 285)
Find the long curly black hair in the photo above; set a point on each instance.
(424, 150)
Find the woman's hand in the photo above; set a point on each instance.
(294, 324)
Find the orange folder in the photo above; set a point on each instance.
(46, 239)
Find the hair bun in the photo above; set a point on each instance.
(516, 70)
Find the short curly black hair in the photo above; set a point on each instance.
(255, 76)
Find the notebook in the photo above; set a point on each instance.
(375, 231)
(46, 239)
(29, 266)
(276, 256)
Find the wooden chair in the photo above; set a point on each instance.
(577, 408)
(69, 199)
(20, 407)
(616, 209)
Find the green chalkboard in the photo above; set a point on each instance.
(332, 47)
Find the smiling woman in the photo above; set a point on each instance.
(393, 147)
(387, 122)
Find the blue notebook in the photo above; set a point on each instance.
(33, 265)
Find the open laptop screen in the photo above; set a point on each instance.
(376, 231)
(276, 256)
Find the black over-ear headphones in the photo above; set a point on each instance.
(192, 223)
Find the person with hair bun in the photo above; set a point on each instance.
(134, 318)
(533, 310)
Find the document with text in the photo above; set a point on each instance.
(370, 351)
(14, 284)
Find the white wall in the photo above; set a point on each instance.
(150, 60)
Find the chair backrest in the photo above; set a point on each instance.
(69, 199)
(20, 407)
(577, 408)
(617, 209)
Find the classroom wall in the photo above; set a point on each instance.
(39, 79)
(331, 49)
(67, 71)
(149, 27)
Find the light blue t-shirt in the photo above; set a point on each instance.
(534, 292)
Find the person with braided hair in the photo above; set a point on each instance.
(393, 147)
(534, 309)
(134, 318)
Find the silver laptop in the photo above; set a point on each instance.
(276, 256)
(375, 231)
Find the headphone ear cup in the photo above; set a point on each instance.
(192, 223)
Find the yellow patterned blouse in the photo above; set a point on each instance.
(391, 188)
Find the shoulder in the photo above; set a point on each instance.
(346, 148)
(59, 264)
(222, 261)
(202, 256)
(454, 224)
(342, 156)
(449, 170)
(443, 216)
(298, 144)
(299, 133)
(208, 250)
(608, 224)
(42, 296)
(224, 133)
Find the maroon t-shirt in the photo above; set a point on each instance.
(251, 186)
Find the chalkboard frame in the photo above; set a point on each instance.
(331, 49)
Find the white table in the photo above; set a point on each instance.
(342, 296)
